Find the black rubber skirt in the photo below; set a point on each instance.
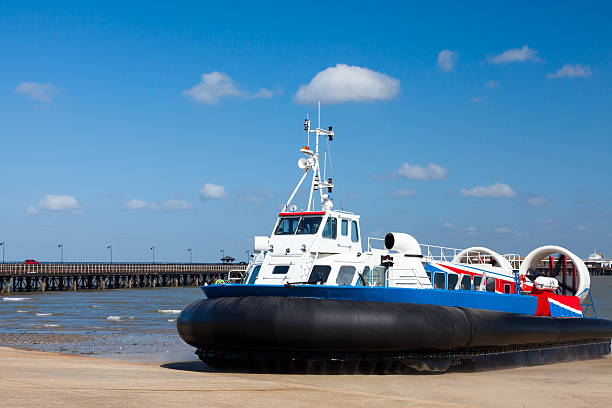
(301, 334)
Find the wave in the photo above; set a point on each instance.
(114, 318)
(96, 306)
(44, 314)
(13, 299)
(51, 325)
(172, 320)
(170, 311)
(22, 311)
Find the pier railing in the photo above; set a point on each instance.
(14, 269)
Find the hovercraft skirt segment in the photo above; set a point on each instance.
(301, 333)
(402, 363)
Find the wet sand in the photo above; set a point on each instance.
(35, 379)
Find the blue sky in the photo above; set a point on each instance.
(462, 124)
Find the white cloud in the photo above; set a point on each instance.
(572, 71)
(537, 201)
(170, 205)
(448, 224)
(37, 91)
(403, 193)
(492, 85)
(523, 54)
(582, 228)
(213, 191)
(431, 171)
(470, 230)
(345, 83)
(497, 190)
(478, 99)
(136, 205)
(263, 93)
(505, 230)
(56, 202)
(447, 60)
(217, 85)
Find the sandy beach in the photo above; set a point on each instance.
(34, 379)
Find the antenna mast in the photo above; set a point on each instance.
(313, 162)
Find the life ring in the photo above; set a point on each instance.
(523, 280)
(219, 282)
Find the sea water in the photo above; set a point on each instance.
(132, 324)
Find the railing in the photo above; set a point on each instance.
(114, 269)
(448, 254)
(439, 253)
(515, 260)
(370, 239)
(236, 275)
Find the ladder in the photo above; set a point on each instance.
(588, 304)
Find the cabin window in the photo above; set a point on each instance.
(254, 274)
(309, 225)
(364, 277)
(287, 225)
(331, 228)
(506, 288)
(439, 280)
(453, 278)
(379, 276)
(280, 269)
(354, 232)
(344, 228)
(345, 276)
(477, 282)
(490, 284)
(319, 273)
(466, 282)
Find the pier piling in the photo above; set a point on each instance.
(91, 276)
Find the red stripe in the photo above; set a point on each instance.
(303, 213)
(543, 308)
(460, 271)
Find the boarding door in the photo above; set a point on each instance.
(344, 237)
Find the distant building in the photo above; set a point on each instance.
(227, 260)
(597, 264)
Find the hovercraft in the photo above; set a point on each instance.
(314, 301)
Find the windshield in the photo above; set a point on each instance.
(287, 225)
(298, 225)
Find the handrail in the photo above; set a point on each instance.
(445, 254)
(373, 239)
(114, 269)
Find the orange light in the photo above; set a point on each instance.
(305, 148)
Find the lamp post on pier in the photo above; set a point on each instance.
(111, 252)
(61, 247)
(247, 256)
(3, 245)
(189, 250)
(153, 249)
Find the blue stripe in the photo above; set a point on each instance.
(457, 298)
(559, 311)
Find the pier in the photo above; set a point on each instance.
(101, 276)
